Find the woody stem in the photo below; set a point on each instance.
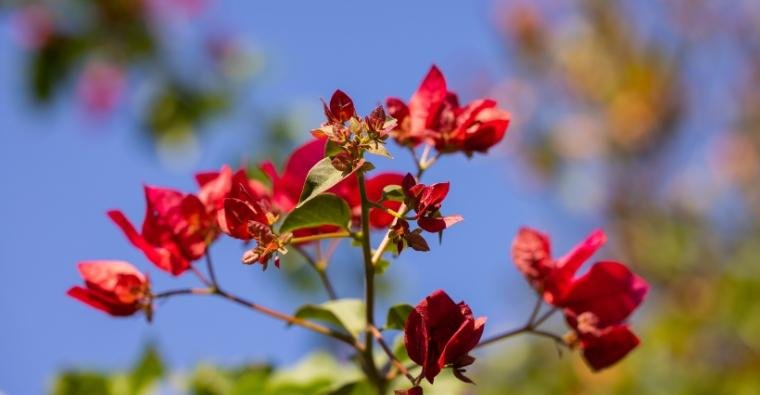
(210, 268)
(314, 327)
(531, 328)
(322, 236)
(400, 366)
(369, 287)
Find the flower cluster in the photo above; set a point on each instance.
(434, 115)
(323, 192)
(595, 305)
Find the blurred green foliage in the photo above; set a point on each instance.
(64, 39)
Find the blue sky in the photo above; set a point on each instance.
(61, 171)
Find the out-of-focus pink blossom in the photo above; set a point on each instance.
(101, 84)
(33, 26)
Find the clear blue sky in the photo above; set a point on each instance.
(60, 172)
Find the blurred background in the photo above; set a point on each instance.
(639, 117)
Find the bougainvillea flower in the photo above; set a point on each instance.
(426, 201)
(176, 230)
(595, 304)
(434, 115)
(245, 216)
(238, 216)
(114, 287)
(440, 333)
(531, 252)
(286, 187)
(341, 108)
(601, 346)
(215, 186)
(609, 290)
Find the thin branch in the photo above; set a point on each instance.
(400, 366)
(211, 273)
(544, 317)
(321, 236)
(314, 327)
(502, 336)
(184, 291)
(321, 271)
(536, 309)
(200, 276)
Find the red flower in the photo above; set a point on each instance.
(609, 290)
(242, 209)
(440, 333)
(531, 252)
(176, 229)
(603, 348)
(434, 115)
(410, 391)
(341, 108)
(426, 202)
(114, 287)
(595, 304)
(215, 186)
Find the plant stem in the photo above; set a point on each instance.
(422, 165)
(529, 328)
(200, 276)
(184, 291)
(369, 288)
(210, 267)
(321, 236)
(314, 327)
(544, 317)
(400, 366)
(321, 271)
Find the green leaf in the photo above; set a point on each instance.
(381, 266)
(324, 209)
(332, 148)
(317, 374)
(394, 193)
(79, 382)
(321, 177)
(347, 314)
(146, 371)
(397, 316)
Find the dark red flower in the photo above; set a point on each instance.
(440, 333)
(238, 218)
(176, 229)
(245, 216)
(609, 290)
(531, 252)
(595, 304)
(605, 347)
(434, 115)
(426, 201)
(114, 287)
(341, 108)
(410, 391)
(215, 186)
